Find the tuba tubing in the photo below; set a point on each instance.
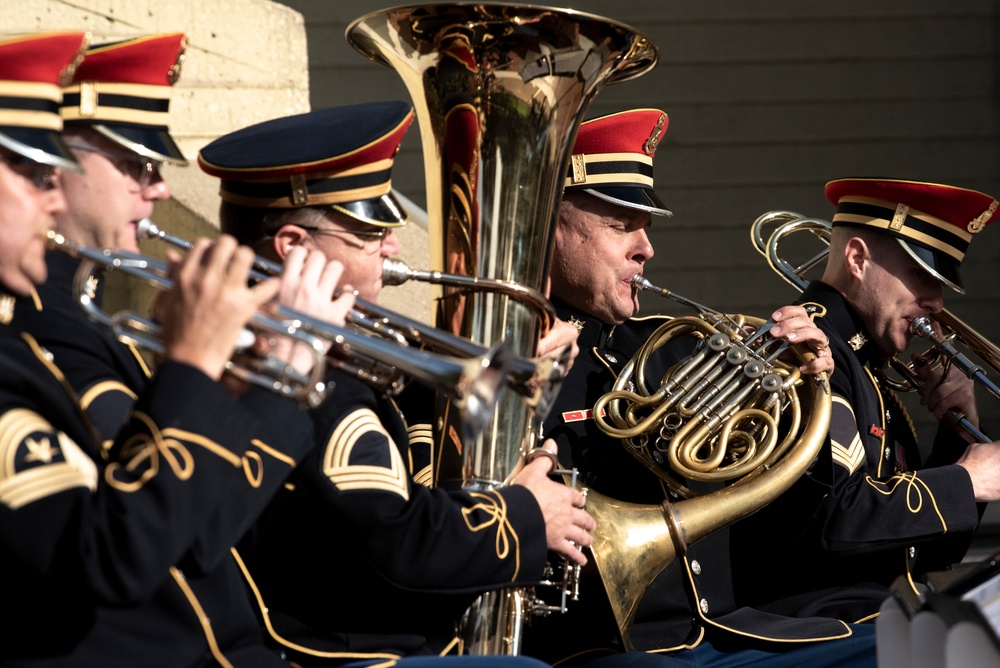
(499, 91)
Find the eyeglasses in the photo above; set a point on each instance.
(142, 170)
(40, 174)
(367, 238)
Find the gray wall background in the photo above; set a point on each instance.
(767, 101)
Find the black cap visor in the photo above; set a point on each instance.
(150, 142)
(634, 197)
(384, 211)
(42, 146)
(941, 266)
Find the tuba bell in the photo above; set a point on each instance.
(499, 92)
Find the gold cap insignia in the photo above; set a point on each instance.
(979, 222)
(654, 137)
(899, 218)
(174, 73)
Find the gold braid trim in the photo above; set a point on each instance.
(495, 506)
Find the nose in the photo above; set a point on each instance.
(54, 200)
(932, 299)
(643, 249)
(391, 245)
(156, 190)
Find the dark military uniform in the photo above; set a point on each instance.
(106, 374)
(120, 557)
(355, 560)
(692, 600)
(867, 511)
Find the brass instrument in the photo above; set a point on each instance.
(952, 328)
(712, 417)
(474, 383)
(537, 380)
(499, 92)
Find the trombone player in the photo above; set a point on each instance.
(870, 509)
(356, 559)
(117, 552)
(688, 615)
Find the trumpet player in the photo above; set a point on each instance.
(870, 510)
(117, 553)
(688, 615)
(356, 560)
(115, 113)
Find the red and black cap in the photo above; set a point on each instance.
(613, 159)
(122, 90)
(33, 69)
(339, 157)
(934, 223)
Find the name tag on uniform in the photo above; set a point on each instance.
(580, 415)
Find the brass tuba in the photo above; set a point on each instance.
(730, 412)
(944, 344)
(499, 92)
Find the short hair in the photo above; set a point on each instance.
(250, 224)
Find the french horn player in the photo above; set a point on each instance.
(872, 508)
(688, 612)
(357, 559)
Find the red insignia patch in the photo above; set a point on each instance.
(580, 415)
(876, 430)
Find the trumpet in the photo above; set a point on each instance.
(536, 380)
(474, 383)
(950, 328)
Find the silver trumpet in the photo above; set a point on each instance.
(474, 383)
(537, 380)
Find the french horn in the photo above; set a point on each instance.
(730, 412)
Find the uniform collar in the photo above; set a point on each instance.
(593, 332)
(846, 322)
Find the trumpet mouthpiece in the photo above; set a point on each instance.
(146, 229)
(394, 272)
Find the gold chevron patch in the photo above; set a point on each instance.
(36, 461)
(346, 476)
(421, 442)
(852, 455)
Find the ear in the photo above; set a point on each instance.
(286, 237)
(857, 257)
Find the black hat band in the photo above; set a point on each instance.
(297, 190)
(135, 104)
(897, 220)
(30, 105)
(609, 168)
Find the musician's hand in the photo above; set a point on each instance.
(561, 335)
(795, 326)
(941, 391)
(982, 461)
(567, 524)
(209, 303)
(308, 282)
